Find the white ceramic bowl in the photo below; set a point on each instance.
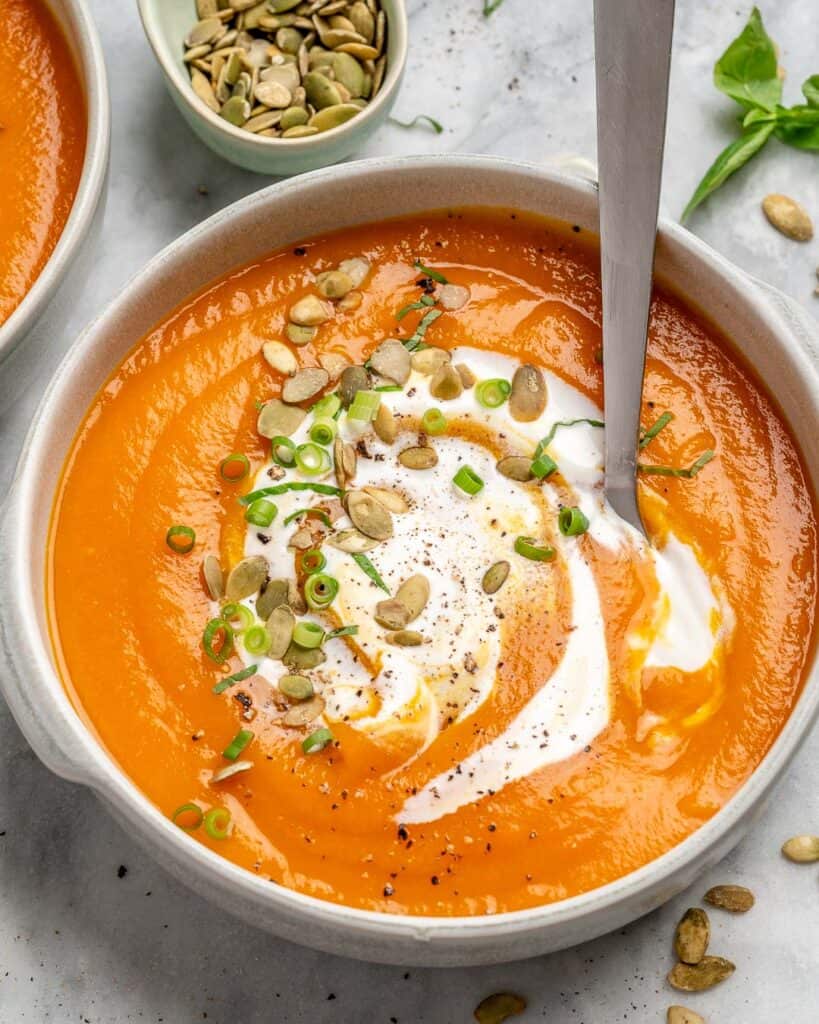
(778, 340)
(84, 44)
(166, 23)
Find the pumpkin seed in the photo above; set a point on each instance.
(204, 31)
(286, 75)
(305, 384)
(499, 1007)
(279, 357)
(277, 419)
(351, 381)
(349, 72)
(295, 598)
(391, 614)
(236, 111)
(300, 334)
(293, 117)
(230, 770)
(310, 311)
(429, 360)
(405, 638)
(196, 53)
(306, 712)
(300, 131)
(206, 8)
(692, 935)
(710, 971)
(356, 269)
(280, 626)
(333, 116)
(378, 74)
(467, 376)
(453, 296)
(359, 50)
(351, 541)
(289, 39)
(362, 19)
(515, 467)
(204, 90)
(278, 6)
(245, 578)
(735, 898)
(788, 217)
(385, 424)
(418, 458)
(273, 595)
(273, 94)
(391, 360)
(414, 595)
(802, 849)
(263, 122)
(333, 363)
(368, 516)
(345, 462)
(391, 500)
(681, 1015)
(495, 577)
(352, 300)
(302, 658)
(527, 399)
(320, 90)
(446, 383)
(333, 284)
(214, 577)
(296, 687)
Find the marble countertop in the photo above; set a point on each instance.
(91, 929)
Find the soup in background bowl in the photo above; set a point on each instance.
(370, 462)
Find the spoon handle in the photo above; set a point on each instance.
(633, 56)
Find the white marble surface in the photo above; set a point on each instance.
(79, 943)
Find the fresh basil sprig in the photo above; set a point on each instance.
(748, 72)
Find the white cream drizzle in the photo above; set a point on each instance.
(452, 540)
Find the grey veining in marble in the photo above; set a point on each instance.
(80, 943)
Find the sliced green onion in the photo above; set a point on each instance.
(237, 616)
(183, 811)
(234, 468)
(411, 344)
(342, 631)
(433, 422)
(433, 275)
(308, 635)
(654, 430)
(543, 466)
(313, 561)
(323, 430)
(572, 522)
(237, 744)
(282, 451)
(257, 640)
(547, 440)
(217, 822)
(320, 590)
(295, 485)
(327, 406)
(422, 303)
(388, 387)
(529, 548)
(364, 405)
(317, 512)
(468, 481)
(261, 513)
(237, 677)
(312, 459)
(317, 741)
(180, 539)
(367, 566)
(685, 473)
(492, 393)
(218, 640)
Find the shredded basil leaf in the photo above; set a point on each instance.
(367, 566)
(433, 275)
(654, 430)
(686, 473)
(263, 492)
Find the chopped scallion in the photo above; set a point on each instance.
(234, 468)
(323, 430)
(433, 422)
(237, 744)
(257, 640)
(320, 590)
(544, 465)
(317, 741)
(367, 566)
(312, 459)
(217, 640)
(388, 387)
(492, 393)
(433, 275)
(317, 512)
(282, 451)
(327, 406)
(261, 513)
(191, 817)
(308, 635)
(342, 631)
(237, 677)
(295, 485)
(364, 406)
(529, 548)
(180, 539)
(237, 616)
(217, 822)
(572, 522)
(313, 561)
(467, 480)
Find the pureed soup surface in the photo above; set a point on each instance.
(42, 144)
(464, 751)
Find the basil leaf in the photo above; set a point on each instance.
(747, 71)
(730, 160)
(811, 90)
(799, 127)
(756, 116)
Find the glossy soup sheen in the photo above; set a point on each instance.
(42, 143)
(127, 615)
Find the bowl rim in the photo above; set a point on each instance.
(78, 26)
(88, 762)
(397, 32)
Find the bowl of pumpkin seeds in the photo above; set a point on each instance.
(280, 86)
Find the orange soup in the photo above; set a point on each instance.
(42, 144)
(332, 579)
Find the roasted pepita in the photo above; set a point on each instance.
(418, 457)
(273, 594)
(352, 380)
(306, 712)
(391, 614)
(446, 383)
(305, 384)
(413, 595)
(788, 217)
(246, 578)
(310, 311)
(692, 935)
(495, 577)
(429, 360)
(391, 360)
(279, 357)
(296, 687)
(280, 626)
(391, 500)
(682, 1015)
(405, 638)
(368, 516)
(527, 399)
(385, 424)
(277, 419)
(351, 541)
(515, 467)
(735, 898)
(497, 1008)
(802, 849)
(710, 971)
(214, 577)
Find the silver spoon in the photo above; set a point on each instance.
(633, 56)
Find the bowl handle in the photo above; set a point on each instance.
(42, 712)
